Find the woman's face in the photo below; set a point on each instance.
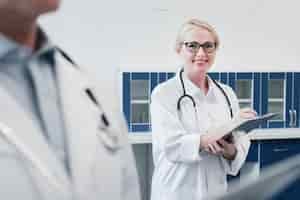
(197, 60)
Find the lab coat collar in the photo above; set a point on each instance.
(194, 90)
(27, 135)
(81, 118)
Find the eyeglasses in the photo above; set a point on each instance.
(193, 47)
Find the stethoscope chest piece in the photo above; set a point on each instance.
(108, 135)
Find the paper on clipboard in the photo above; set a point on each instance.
(245, 125)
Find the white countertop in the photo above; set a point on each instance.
(257, 134)
(275, 133)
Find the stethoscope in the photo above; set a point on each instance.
(108, 136)
(190, 98)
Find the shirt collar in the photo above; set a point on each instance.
(8, 47)
(194, 90)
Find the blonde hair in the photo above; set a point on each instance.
(190, 24)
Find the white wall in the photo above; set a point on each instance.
(107, 36)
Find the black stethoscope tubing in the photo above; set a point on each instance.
(187, 96)
(109, 137)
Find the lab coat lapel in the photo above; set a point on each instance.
(26, 132)
(80, 118)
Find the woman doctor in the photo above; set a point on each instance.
(191, 156)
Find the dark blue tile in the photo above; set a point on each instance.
(140, 128)
(279, 124)
(126, 97)
(140, 76)
(288, 99)
(232, 80)
(170, 75)
(162, 77)
(277, 75)
(244, 75)
(256, 93)
(214, 75)
(264, 96)
(224, 77)
(297, 96)
(154, 80)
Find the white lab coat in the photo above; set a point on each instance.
(97, 172)
(180, 170)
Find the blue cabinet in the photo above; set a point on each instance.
(273, 151)
(137, 88)
(280, 93)
(136, 93)
(247, 87)
(296, 102)
(263, 91)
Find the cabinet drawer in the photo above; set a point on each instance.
(277, 150)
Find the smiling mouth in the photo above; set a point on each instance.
(200, 61)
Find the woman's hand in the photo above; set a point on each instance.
(215, 148)
(229, 149)
(221, 147)
(247, 113)
(208, 141)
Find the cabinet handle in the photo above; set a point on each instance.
(295, 118)
(280, 149)
(291, 124)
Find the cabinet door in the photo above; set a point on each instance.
(136, 99)
(289, 101)
(247, 88)
(137, 88)
(292, 99)
(278, 150)
(274, 87)
(296, 103)
(139, 101)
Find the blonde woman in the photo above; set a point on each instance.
(191, 156)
